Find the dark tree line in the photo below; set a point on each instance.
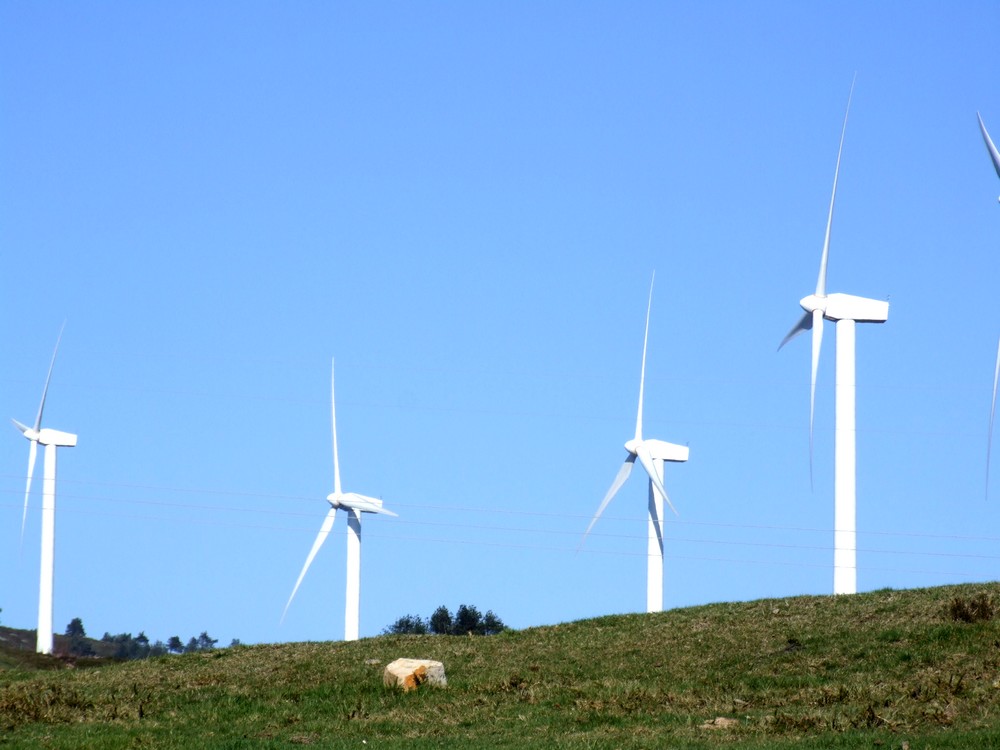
(127, 646)
(467, 620)
(139, 647)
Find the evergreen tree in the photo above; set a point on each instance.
(466, 620)
(407, 625)
(175, 645)
(440, 622)
(123, 643)
(78, 644)
(491, 624)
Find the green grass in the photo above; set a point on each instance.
(881, 670)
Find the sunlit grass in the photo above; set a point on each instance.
(873, 670)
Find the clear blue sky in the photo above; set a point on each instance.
(464, 203)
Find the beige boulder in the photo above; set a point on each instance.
(409, 674)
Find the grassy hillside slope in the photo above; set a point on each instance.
(888, 669)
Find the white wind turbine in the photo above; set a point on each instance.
(994, 154)
(845, 310)
(353, 505)
(51, 439)
(995, 157)
(651, 454)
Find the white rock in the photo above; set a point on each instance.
(409, 674)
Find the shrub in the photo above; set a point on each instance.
(977, 608)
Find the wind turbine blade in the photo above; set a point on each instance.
(657, 523)
(32, 453)
(667, 498)
(320, 538)
(616, 485)
(804, 324)
(647, 463)
(821, 280)
(993, 411)
(41, 406)
(642, 373)
(817, 343)
(994, 154)
(333, 421)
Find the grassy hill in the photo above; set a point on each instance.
(889, 669)
(17, 650)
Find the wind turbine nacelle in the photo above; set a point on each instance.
(860, 309)
(47, 436)
(664, 451)
(354, 501)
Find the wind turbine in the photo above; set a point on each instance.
(51, 439)
(994, 154)
(845, 310)
(353, 505)
(651, 454)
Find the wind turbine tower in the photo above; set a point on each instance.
(651, 454)
(353, 505)
(845, 310)
(52, 440)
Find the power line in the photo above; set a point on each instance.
(315, 500)
(522, 530)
